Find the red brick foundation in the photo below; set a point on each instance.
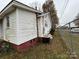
(25, 46)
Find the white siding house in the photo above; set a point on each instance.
(44, 24)
(26, 26)
(19, 24)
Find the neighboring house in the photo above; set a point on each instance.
(22, 25)
(75, 30)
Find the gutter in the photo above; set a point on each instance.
(37, 25)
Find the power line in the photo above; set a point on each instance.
(64, 8)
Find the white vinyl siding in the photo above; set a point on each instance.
(26, 26)
(10, 32)
(44, 25)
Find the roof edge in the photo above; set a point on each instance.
(6, 6)
(17, 2)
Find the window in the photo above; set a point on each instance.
(45, 16)
(46, 24)
(8, 24)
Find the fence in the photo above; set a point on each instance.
(70, 34)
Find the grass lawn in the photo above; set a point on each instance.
(71, 36)
(55, 50)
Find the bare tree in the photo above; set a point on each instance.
(35, 5)
(77, 21)
(48, 6)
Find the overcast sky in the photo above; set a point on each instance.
(65, 14)
(70, 12)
